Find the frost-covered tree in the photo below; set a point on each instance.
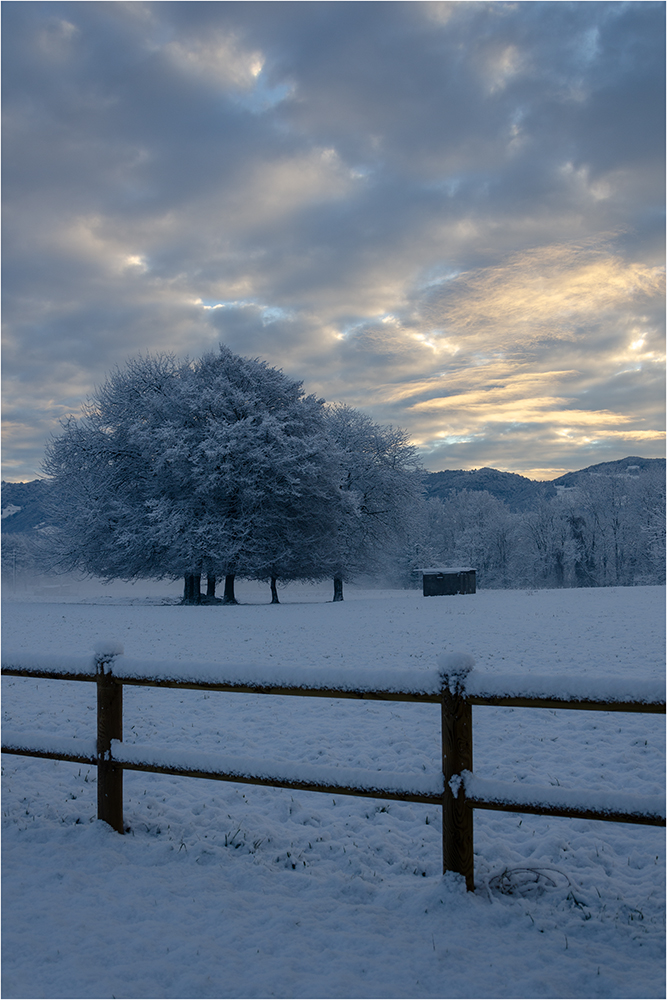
(101, 489)
(618, 522)
(380, 488)
(604, 531)
(548, 552)
(242, 472)
(216, 466)
(648, 497)
(473, 528)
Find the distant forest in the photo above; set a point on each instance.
(601, 526)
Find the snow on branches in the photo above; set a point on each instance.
(222, 466)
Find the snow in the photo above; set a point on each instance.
(53, 663)
(446, 569)
(323, 677)
(280, 771)
(230, 890)
(42, 743)
(108, 647)
(567, 687)
(457, 666)
(562, 798)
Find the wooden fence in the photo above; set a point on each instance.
(457, 790)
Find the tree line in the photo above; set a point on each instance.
(608, 530)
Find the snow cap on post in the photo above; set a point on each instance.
(454, 668)
(106, 650)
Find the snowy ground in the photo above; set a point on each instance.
(224, 890)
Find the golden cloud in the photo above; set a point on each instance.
(544, 292)
(540, 409)
(491, 381)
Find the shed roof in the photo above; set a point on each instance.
(446, 569)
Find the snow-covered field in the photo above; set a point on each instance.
(223, 890)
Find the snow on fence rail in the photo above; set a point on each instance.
(453, 685)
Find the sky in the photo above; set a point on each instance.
(450, 215)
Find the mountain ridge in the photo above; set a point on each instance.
(521, 493)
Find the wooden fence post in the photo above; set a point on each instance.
(109, 727)
(457, 817)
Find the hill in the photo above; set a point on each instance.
(521, 493)
(23, 506)
(631, 466)
(518, 492)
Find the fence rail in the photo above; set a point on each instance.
(456, 789)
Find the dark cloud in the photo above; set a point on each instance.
(404, 204)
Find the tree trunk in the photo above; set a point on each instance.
(191, 594)
(274, 591)
(210, 586)
(338, 588)
(228, 597)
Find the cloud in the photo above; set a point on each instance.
(448, 214)
(218, 59)
(548, 292)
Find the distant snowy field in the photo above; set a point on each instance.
(225, 890)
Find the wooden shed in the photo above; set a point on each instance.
(443, 580)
